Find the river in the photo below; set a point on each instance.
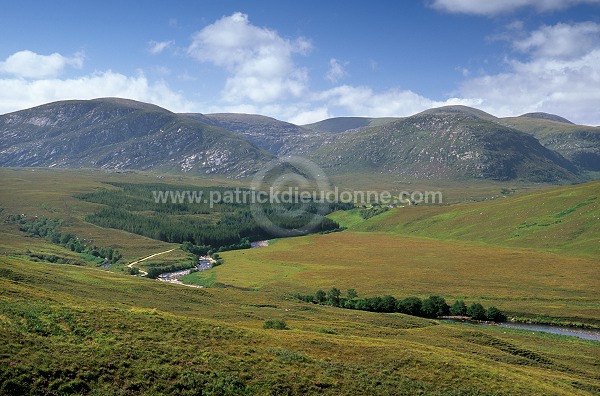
(586, 334)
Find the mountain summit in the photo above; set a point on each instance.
(113, 133)
(456, 142)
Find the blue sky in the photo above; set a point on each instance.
(307, 61)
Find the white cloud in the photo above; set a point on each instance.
(156, 47)
(336, 71)
(495, 7)
(363, 101)
(561, 40)
(258, 60)
(28, 64)
(17, 93)
(304, 117)
(560, 76)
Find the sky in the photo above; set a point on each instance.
(305, 61)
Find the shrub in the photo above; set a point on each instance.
(351, 293)
(434, 306)
(388, 304)
(476, 311)
(409, 306)
(459, 308)
(276, 324)
(495, 315)
(333, 297)
(133, 271)
(320, 296)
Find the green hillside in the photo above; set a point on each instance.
(343, 124)
(71, 327)
(578, 143)
(71, 330)
(444, 145)
(565, 220)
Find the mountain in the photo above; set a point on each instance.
(446, 143)
(274, 136)
(344, 124)
(546, 116)
(112, 133)
(578, 143)
(459, 109)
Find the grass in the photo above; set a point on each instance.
(160, 338)
(563, 220)
(517, 281)
(68, 329)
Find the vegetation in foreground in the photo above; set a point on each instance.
(94, 332)
(74, 329)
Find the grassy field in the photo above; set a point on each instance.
(515, 280)
(532, 255)
(69, 329)
(50, 193)
(564, 220)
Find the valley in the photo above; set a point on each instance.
(517, 230)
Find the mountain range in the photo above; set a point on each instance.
(455, 142)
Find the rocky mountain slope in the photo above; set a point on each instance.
(446, 144)
(578, 143)
(344, 124)
(115, 133)
(274, 136)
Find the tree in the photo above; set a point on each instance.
(133, 271)
(374, 304)
(409, 306)
(351, 294)
(333, 296)
(476, 311)
(320, 296)
(434, 306)
(495, 315)
(154, 272)
(361, 305)
(388, 304)
(459, 308)
(350, 304)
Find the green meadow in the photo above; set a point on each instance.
(82, 329)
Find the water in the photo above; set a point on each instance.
(586, 334)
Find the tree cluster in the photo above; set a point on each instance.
(216, 226)
(207, 250)
(49, 229)
(374, 210)
(431, 307)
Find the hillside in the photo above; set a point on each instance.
(459, 109)
(560, 220)
(122, 134)
(546, 116)
(441, 145)
(578, 143)
(343, 124)
(274, 136)
(67, 327)
(451, 142)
